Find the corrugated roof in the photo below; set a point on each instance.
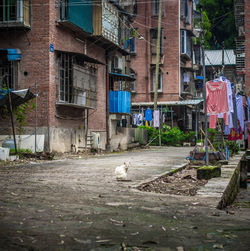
(180, 102)
(214, 57)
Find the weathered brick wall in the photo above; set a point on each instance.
(33, 45)
(42, 67)
(141, 63)
(67, 40)
(247, 41)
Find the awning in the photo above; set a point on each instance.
(171, 103)
(17, 97)
(122, 77)
(84, 57)
(13, 54)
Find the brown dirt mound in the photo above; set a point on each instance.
(183, 182)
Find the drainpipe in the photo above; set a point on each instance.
(148, 70)
(179, 38)
(107, 102)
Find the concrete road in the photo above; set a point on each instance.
(77, 204)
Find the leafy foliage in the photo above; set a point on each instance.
(21, 114)
(233, 147)
(220, 13)
(169, 136)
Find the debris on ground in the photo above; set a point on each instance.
(183, 182)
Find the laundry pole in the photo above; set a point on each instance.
(204, 84)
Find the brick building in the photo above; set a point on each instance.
(247, 35)
(63, 51)
(179, 58)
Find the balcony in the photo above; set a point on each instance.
(119, 102)
(77, 15)
(107, 30)
(15, 14)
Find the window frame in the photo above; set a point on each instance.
(153, 40)
(70, 91)
(185, 39)
(155, 7)
(160, 83)
(9, 67)
(22, 12)
(65, 70)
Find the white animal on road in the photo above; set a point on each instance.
(121, 171)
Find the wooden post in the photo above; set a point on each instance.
(11, 114)
(157, 56)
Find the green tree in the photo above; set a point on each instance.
(221, 16)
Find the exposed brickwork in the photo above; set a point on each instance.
(42, 66)
(247, 44)
(171, 55)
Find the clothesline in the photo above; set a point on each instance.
(224, 103)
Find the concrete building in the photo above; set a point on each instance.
(70, 53)
(180, 59)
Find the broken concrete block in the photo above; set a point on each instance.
(208, 172)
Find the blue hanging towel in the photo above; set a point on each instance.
(148, 115)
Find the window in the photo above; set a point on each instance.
(154, 33)
(186, 11)
(77, 81)
(7, 69)
(186, 43)
(159, 80)
(63, 9)
(13, 11)
(66, 77)
(135, 8)
(184, 7)
(155, 7)
(133, 83)
(132, 45)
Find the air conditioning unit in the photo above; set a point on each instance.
(116, 64)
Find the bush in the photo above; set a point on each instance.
(170, 137)
(211, 134)
(233, 147)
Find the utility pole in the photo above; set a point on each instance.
(157, 65)
(204, 83)
(157, 55)
(11, 113)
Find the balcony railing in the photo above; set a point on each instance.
(77, 16)
(15, 14)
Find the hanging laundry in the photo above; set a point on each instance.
(140, 119)
(240, 115)
(148, 115)
(217, 101)
(248, 102)
(235, 134)
(230, 102)
(216, 97)
(186, 77)
(234, 115)
(156, 118)
(135, 119)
